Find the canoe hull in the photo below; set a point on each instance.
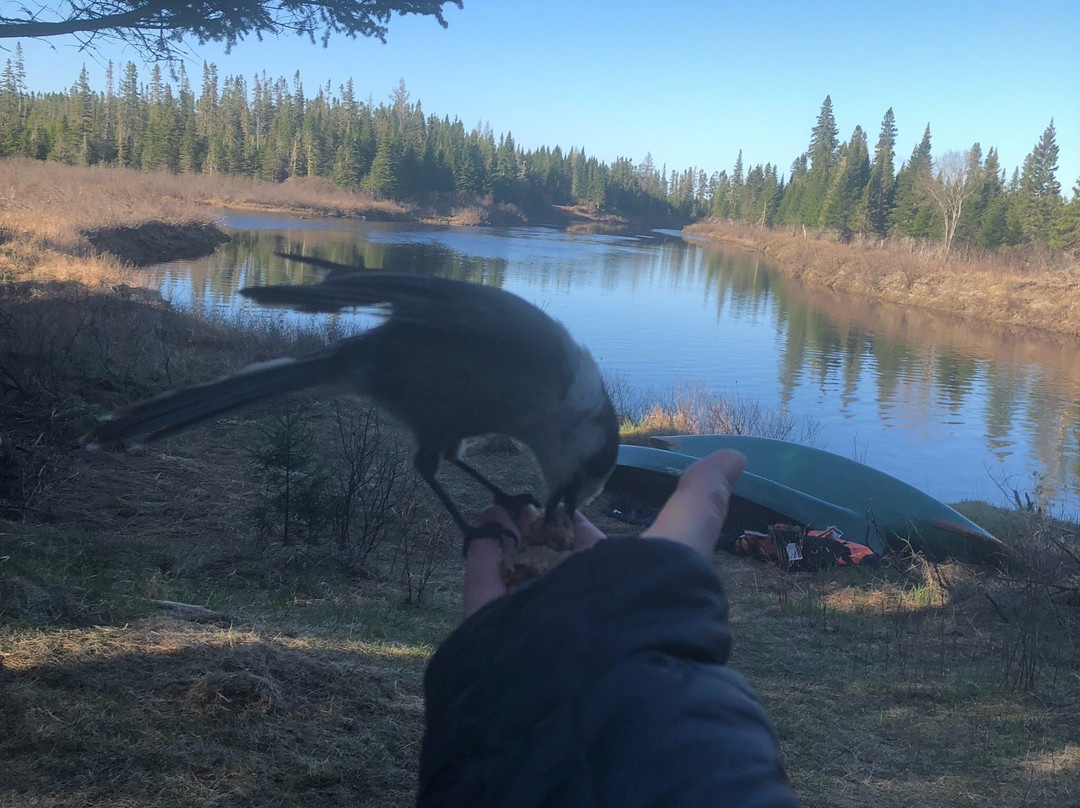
(816, 488)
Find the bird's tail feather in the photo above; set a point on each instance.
(176, 411)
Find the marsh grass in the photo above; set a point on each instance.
(692, 408)
(1027, 288)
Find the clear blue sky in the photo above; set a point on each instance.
(694, 81)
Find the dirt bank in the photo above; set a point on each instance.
(153, 242)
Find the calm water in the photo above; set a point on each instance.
(958, 410)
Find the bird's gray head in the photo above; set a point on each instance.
(583, 444)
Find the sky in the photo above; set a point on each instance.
(692, 82)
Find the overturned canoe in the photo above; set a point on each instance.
(790, 482)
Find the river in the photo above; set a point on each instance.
(958, 409)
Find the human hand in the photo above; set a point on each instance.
(483, 578)
(693, 515)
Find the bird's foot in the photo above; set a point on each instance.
(515, 504)
(488, 530)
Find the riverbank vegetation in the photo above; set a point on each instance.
(274, 129)
(956, 198)
(953, 232)
(1026, 289)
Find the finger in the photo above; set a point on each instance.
(483, 581)
(525, 519)
(501, 516)
(586, 534)
(483, 577)
(694, 514)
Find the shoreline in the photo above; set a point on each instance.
(1038, 298)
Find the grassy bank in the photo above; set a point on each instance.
(1025, 290)
(164, 641)
(80, 211)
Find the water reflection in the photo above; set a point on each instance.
(956, 409)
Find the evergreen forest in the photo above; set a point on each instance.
(273, 129)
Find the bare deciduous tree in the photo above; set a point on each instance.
(159, 29)
(955, 179)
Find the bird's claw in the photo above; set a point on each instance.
(488, 530)
(515, 504)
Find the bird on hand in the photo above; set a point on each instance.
(450, 361)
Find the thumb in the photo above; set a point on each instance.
(694, 514)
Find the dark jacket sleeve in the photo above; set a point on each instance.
(602, 683)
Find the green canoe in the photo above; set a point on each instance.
(795, 483)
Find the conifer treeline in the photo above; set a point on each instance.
(273, 130)
(957, 197)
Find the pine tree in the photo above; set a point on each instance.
(792, 200)
(1041, 192)
(824, 148)
(207, 109)
(879, 188)
(843, 209)
(1065, 232)
(129, 118)
(911, 215)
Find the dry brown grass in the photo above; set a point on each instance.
(57, 202)
(51, 213)
(60, 222)
(312, 195)
(161, 712)
(692, 409)
(903, 687)
(1023, 289)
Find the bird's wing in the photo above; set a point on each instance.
(435, 304)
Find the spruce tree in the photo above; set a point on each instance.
(128, 118)
(1041, 192)
(791, 201)
(1065, 232)
(736, 191)
(721, 196)
(382, 178)
(992, 228)
(824, 148)
(880, 186)
(85, 149)
(207, 107)
(505, 177)
(843, 209)
(911, 215)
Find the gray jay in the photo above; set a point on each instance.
(450, 360)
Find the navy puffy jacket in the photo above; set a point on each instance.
(603, 683)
